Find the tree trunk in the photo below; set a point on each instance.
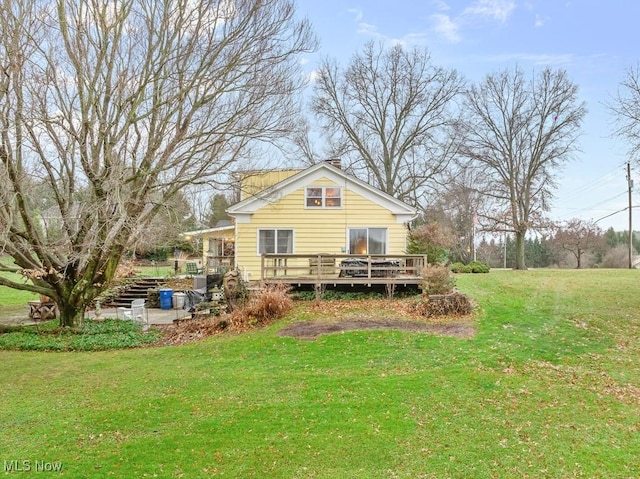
(70, 314)
(520, 250)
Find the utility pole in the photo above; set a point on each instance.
(630, 183)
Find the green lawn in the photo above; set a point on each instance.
(549, 387)
(13, 302)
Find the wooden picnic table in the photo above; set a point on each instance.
(39, 310)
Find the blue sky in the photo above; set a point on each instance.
(594, 40)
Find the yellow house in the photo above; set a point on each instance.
(320, 209)
(218, 246)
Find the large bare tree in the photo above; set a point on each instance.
(519, 132)
(107, 109)
(625, 108)
(391, 113)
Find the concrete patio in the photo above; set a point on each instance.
(155, 315)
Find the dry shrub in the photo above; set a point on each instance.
(264, 306)
(437, 280)
(455, 304)
(192, 330)
(617, 257)
(179, 284)
(126, 269)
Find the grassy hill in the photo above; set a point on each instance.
(548, 387)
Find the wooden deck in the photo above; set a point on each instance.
(321, 270)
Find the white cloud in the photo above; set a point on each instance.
(441, 5)
(539, 21)
(442, 24)
(357, 13)
(446, 27)
(368, 29)
(495, 9)
(312, 76)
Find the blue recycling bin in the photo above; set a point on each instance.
(166, 298)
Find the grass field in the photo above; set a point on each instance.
(549, 387)
(13, 302)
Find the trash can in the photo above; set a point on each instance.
(166, 296)
(178, 300)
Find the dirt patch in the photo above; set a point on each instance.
(357, 315)
(312, 329)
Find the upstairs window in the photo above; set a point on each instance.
(323, 197)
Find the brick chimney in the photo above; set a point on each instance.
(337, 162)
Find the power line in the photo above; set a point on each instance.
(594, 206)
(576, 192)
(615, 213)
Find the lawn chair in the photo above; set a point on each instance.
(192, 269)
(137, 312)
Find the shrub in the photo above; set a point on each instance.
(431, 239)
(458, 268)
(437, 280)
(473, 267)
(478, 267)
(617, 257)
(455, 304)
(330, 294)
(264, 306)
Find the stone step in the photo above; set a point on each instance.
(135, 290)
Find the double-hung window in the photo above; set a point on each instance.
(275, 241)
(368, 240)
(323, 197)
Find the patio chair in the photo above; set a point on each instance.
(192, 269)
(137, 312)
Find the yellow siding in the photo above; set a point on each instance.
(255, 182)
(316, 230)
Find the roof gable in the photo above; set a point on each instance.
(313, 173)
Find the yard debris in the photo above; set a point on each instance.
(190, 330)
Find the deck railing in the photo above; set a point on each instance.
(323, 266)
(219, 264)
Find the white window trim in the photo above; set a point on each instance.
(323, 198)
(348, 237)
(293, 239)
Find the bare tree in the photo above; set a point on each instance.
(457, 207)
(578, 237)
(626, 110)
(114, 107)
(390, 112)
(519, 133)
